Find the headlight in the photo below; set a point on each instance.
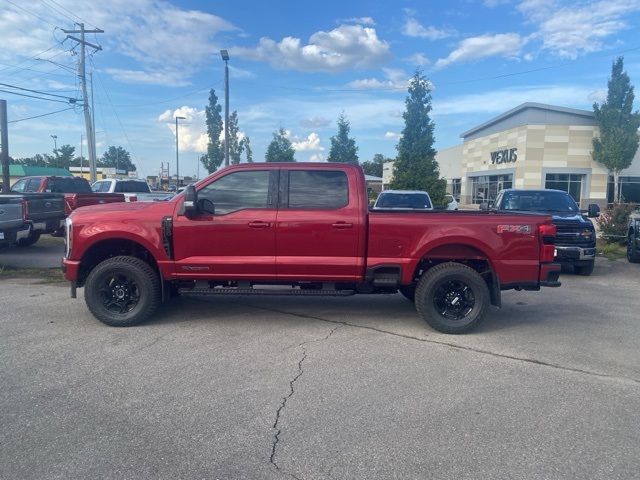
(587, 233)
(68, 236)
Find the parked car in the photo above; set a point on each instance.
(452, 203)
(13, 219)
(77, 191)
(132, 189)
(633, 238)
(576, 236)
(403, 200)
(304, 228)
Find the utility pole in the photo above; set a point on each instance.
(225, 57)
(55, 148)
(4, 142)
(93, 117)
(83, 80)
(81, 156)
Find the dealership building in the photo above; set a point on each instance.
(532, 146)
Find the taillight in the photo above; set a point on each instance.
(547, 240)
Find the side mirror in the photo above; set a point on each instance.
(484, 206)
(190, 201)
(593, 210)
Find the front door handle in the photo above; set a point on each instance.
(259, 224)
(342, 225)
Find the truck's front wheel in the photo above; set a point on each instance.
(452, 298)
(122, 291)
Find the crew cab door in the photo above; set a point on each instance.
(320, 226)
(237, 241)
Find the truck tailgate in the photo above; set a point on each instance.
(10, 212)
(44, 206)
(77, 200)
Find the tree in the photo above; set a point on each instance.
(374, 166)
(343, 149)
(416, 167)
(117, 157)
(280, 148)
(64, 156)
(235, 145)
(246, 146)
(215, 151)
(618, 140)
(38, 160)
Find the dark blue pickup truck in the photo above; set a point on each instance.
(576, 238)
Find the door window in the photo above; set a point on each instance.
(317, 189)
(238, 191)
(19, 185)
(33, 185)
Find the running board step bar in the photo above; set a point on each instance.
(257, 291)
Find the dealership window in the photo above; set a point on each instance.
(456, 187)
(629, 189)
(568, 182)
(486, 188)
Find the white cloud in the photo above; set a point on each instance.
(570, 29)
(347, 46)
(192, 135)
(394, 79)
(419, 59)
(499, 101)
(599, 95)
(506, 45)
(359, 20)
(315, 122)
(309, 144)
(413, 28)
(317, 157)
(159, 36)
(392, 135)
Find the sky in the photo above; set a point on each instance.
(298, 65)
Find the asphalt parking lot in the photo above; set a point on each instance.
(317, 388)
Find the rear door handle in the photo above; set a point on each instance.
(259, 224)
(342, 225)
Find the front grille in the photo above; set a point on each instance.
(569, 236)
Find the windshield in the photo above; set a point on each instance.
(418, 201)
(539, 201)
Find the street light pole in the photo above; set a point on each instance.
(177, 157)
(225, 57)
(55, 148)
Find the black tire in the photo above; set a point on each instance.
(632, 252)
(28, 241)
(452, 298)
(409, 292)
(122, 291)
(584, 270)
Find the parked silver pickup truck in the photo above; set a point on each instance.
(133, 189)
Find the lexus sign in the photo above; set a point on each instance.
(508, 155)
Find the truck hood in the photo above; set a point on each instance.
(121, 209)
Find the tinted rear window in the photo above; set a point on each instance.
(129, 186)
(404, 200)
(318, 189)
(68, 185)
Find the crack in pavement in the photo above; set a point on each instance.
(454, 346)
(285, 399)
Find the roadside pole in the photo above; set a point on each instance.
(4, 143)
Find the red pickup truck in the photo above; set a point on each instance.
(301, 229)
(77, 191)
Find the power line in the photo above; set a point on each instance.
(193, 92)
(32, 96)
(30, 13)
(29, 59)
(43, 115)
(71, 13)
(70, 100)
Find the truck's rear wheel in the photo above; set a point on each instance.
(122, 291)
(452, 298)
(28, 241)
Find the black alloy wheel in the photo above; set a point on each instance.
(454, 299)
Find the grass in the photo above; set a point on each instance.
(44, 275)
(612, 251)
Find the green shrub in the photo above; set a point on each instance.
(613, 222)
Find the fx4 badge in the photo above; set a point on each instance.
(524, 229)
